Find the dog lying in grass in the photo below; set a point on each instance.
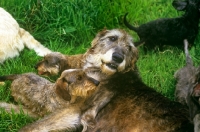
(13, 38)
(40, 97)
(188, 88)
(54, 63)
(111, 52)
(135, 107)
(170, 31)
(122, 102)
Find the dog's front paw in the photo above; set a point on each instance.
(87, 120)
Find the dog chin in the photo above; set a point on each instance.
(108, 70)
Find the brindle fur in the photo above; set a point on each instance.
(111, 52)
(109, 47)
(133, 106)
(39, 96)
(54, 63)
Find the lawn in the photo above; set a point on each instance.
(68, 26)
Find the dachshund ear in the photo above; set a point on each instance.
(63, 64)
(62, 90)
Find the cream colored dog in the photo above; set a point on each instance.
(13, 38)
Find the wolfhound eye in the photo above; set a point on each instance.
(113, 38)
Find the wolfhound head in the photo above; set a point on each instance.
(112, 51)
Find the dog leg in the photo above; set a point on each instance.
(66, 119)
(17, 109)
(98, 101)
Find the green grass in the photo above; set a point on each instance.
(68, 26)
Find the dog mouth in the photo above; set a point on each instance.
(111, 65)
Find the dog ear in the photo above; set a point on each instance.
(179, 5)
(64, 64)
(134, 59)
(98, 36)
(62, 90)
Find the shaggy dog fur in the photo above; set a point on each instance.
(188, 88)
(170, 31)
(136, 107)
(13, 38)
(54, 63)
(112, 52)
(40, 97)
(132, 106)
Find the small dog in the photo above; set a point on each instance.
(170, 31)
(13, 38)
(40, 97)
(54, 63)
(188, 88)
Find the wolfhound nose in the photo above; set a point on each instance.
(117, 57)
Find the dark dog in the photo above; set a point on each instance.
(188, 88)
(170, 31)
(136, 107)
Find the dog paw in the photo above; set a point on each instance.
(87, 121)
